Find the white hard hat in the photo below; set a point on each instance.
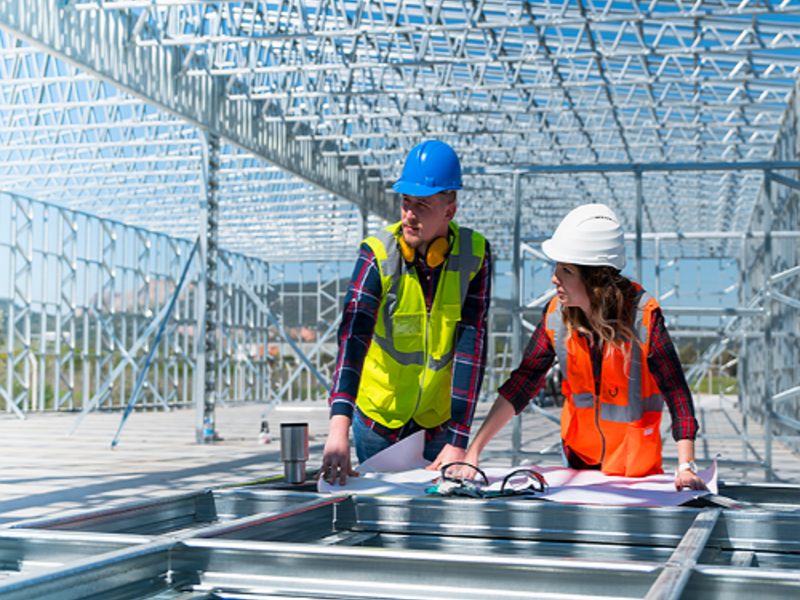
(589, 235)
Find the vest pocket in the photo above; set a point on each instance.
(408, 330)
(443, 330)
(382, 394)
(643, 449)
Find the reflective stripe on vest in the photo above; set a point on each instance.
(406, 336)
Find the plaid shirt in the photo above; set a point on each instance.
(526, 381)
(358, 324)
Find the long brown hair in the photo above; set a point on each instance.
(611, 300)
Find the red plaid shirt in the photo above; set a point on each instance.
(665, 366)
(358, 324)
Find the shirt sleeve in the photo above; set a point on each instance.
(355, 332)
(665, 366)
(469, 360)
(527, 379)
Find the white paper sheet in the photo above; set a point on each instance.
(405, 455)
(565, 485)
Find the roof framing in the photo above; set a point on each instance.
(318, 103)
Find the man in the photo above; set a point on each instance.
(412, 343)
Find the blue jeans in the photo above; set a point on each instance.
(369, 442)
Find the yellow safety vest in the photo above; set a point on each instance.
(408, 368)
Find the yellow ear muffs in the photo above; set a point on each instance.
(437, 251)
(409, 254)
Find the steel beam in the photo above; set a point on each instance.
(105, 50)
(634, 167)
(673, 579)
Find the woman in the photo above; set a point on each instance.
(617, 361)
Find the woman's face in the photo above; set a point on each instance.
(570, 288)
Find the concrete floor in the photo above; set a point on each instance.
(45, 473)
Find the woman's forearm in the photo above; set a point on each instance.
(685, 451)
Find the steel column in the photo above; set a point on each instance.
(19, 309)
(639, 208)
(516, 317)
(768, 362)
(208, 296)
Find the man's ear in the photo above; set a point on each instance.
(450, 211)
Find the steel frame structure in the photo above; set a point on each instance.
(87, 299)
(264, 350)
(258, 542)
(273, 130)
(327, 96)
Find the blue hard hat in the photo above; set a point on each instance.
(431, 167)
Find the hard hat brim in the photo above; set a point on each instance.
(417, 189)
(554, 253)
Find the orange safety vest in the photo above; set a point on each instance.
(621, 429)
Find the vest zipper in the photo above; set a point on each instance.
(425, 344)
(597, 408)
(425, 363)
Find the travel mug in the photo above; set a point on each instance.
(294, 451)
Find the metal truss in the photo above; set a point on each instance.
(316, 104)
(102, 315)
(771, 272)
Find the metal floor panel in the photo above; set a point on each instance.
(23, 553)
(258, 542)
(183, 513)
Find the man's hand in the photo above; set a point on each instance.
(336, 456)
(449, 454)
(687, 479)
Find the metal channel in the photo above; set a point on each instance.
(151, 517)
(674, 577)
(307, 522)
(208, 512)
(276, 543)
(753, 530)
(136, 572)
(721, 583)
(29, 552)
(291, 570)
(516, 520)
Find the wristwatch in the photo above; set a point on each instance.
(687, 466)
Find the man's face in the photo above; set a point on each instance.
(427, 217)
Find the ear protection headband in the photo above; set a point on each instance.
(437, 251)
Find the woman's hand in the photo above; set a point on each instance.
(449, 454)
(687, 479)
(467, 470)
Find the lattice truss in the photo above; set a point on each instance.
(318, 102)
